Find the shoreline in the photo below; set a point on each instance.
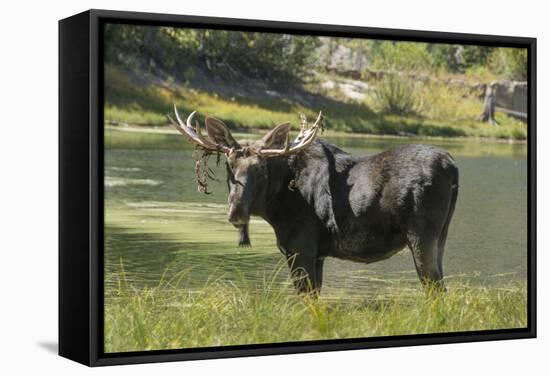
(329, 133)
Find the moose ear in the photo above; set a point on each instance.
(277, 137)
(220, 133)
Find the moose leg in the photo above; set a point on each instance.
(443, 235)
(303, 271)
(319, 264)
(425, 253)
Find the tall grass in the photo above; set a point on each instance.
(221, 313)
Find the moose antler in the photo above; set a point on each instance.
(195, 134)
(304, 138)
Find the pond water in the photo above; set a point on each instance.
(158, 226)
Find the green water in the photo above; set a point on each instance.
(159, 226)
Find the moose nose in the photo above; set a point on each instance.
(237, 215)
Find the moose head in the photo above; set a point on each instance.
(247, 174)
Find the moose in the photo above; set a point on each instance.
(324, 202)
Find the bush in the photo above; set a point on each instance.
(395, 94)
(401, 56)
(511, 63)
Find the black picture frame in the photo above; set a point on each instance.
(81, 187)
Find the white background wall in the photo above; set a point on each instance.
(28, 210)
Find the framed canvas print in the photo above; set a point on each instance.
(238, 187)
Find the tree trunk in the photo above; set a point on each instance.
(489, 106)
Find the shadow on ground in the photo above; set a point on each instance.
(51, 347)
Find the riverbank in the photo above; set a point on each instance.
(443, 112)
(257, 133)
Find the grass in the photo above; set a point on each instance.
(224, 313)
(445, 112)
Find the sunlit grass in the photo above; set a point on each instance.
(226, 312)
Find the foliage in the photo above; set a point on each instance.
(459, 58)
(280, 58)
(400, 56)
(506, 63)
(273, 57)
(475, 55)
(510, 62)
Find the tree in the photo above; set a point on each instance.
(271, 57)
(510, 62)
(401, 56)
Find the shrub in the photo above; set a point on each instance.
(395, 94)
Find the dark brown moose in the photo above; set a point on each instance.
(323, 202)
